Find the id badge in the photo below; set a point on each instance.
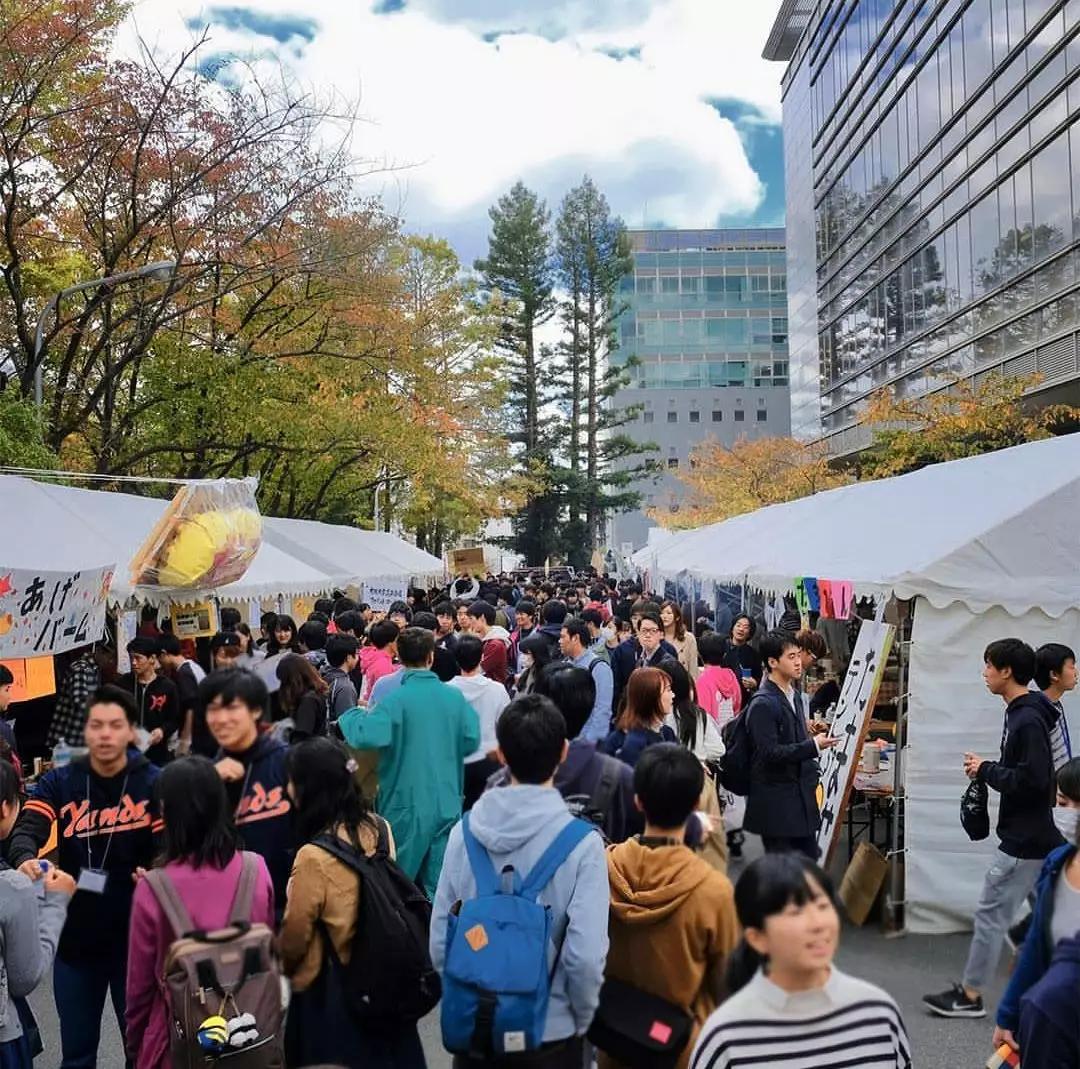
(92, 880)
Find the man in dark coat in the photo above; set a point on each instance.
(782, 805)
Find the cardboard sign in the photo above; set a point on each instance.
(467, 561)
(853, 714)
(198, 620)
(35, 677)
(51, 612)
(302, 608)
(380, 594)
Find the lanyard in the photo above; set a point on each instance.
(243, 791)
(112, 830)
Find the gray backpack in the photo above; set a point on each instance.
(223, 987)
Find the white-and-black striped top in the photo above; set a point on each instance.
(847, 1024)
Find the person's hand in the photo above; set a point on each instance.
(1003, 1035)
(818, 727)
(32, 868)
(230, 770)
(138, 874)
(826, 742)
(750, 683)
(58, 880)
(156, 736)
(971, 765)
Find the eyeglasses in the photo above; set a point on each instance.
(648, 631)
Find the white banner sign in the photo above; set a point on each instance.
(49, 612)
(853, 712)
(127, 627)
(380, 594)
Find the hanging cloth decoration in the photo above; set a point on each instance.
(826, 596)
(842, 592)
(802, 601)
(774, 610)
(812, 598)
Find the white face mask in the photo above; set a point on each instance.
(1067, 820)
(526, 660)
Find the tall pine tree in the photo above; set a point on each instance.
(519, 267)
(592, 255)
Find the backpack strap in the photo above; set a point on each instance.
(244, 900)
(172, 905)
(487, 882)
(562, 846)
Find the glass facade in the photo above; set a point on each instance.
(933, 182)
(705, 314)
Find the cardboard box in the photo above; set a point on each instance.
(863, 881)
(467, 561)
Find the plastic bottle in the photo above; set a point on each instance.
(61, 755)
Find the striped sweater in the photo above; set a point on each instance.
(847, 1024)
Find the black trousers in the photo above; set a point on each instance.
(561, 1054)
(476, 777)
(801, 844)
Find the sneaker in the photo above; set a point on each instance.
(955, 1003)
(1016, 935)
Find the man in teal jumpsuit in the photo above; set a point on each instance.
(423, 731)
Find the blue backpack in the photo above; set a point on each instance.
(496, 980)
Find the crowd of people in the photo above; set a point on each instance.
(516, 800)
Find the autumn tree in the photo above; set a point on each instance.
(963, 418)
(724, 481)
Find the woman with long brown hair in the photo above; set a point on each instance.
(647, 702)
(302, 697)
(681, 637)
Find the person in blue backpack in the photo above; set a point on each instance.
(519, 927)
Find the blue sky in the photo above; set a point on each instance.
(666, 103)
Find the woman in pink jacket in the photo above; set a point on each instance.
(716, 683)
(203, 857)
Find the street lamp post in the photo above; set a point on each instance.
(162, 270)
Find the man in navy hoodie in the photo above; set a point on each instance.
(1024, 777)
(1049, 1024)
(91, 800)
(252, 764)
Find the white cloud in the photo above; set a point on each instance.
(466, 118)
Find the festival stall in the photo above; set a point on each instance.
(984, 548)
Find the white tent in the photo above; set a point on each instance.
(987, 547)
(64, 528)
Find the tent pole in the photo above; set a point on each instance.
(896, 894)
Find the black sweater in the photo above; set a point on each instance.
(112, 829)
(1025, 779)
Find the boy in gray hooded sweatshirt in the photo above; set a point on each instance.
(516, 824)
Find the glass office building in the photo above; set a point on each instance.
(706, 316)
(932, 152)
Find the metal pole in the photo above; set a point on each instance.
(161, 269)
(896, 895)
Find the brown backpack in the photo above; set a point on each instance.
(223, 987)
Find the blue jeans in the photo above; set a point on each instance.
(79, 990)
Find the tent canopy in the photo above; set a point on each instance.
(993, 530)
(63, 528)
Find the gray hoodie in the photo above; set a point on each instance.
(29, 931)
(516, 825)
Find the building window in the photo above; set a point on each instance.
(673, 417)
(695, 417)
(717, 416)
(762, 415)
(740, 415)
(673, 462)
(647, 417)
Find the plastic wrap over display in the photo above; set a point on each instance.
(206, 538)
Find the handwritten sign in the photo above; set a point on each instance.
(50, 612)
(853, 713)
(380, 594)
(35, 677)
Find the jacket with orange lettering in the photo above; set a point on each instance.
(261, 806)
(103, 823)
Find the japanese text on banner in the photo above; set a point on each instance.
(380, 594)
(50, 612)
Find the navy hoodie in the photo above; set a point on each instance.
(103, 823)
(1025, 779)
(262, 809)
(1050, 1013)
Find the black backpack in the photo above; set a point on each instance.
(389, 980)
(594, 807)
(738, 757)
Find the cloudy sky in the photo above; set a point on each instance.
(666, 103)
